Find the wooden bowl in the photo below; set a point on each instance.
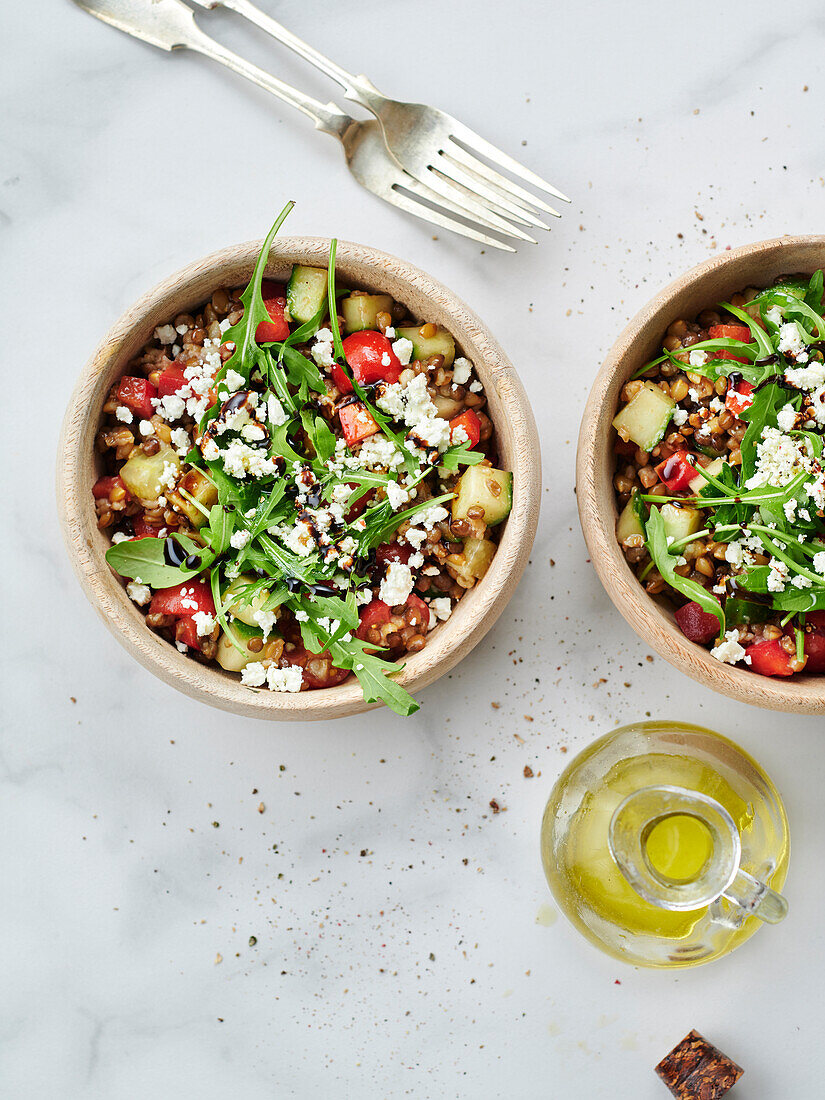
(363, 268)
(700, 288)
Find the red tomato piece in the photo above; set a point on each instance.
(769, 659)
(375, 613)
(171, 380)
(277, 328)
(678, 471)
(187, 632)
(739, 397)
(142, 528)
(104, 485)
(392, 551)
(815, 651)
(318, 669)
(468, 420)
(183, 600)
(731, 332)
(136, 394)
(696, 624)
(370, 359)
(358, 506)
(816, 620)
(423, 611)
(357, 422)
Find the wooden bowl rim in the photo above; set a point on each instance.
(364, 267)
(802, 694)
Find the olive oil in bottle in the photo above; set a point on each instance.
(665, 844)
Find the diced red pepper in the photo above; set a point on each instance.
(696, 624)
(739, 397)
(678, 471)
(183, 600)
(392, 551)
(187, 632)
(370, 359)
(769, 659)
(104, 485)
(732, 332)
(277, 328)
(171, 380)
(136, 394)
(468, 420)
(357, 422)
(143, 529)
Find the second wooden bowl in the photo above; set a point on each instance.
(357, 266)
(700, 288)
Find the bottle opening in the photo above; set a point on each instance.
(678, 847)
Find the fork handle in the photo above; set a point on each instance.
(358, 89)
(327, 117)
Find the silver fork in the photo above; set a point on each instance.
(435, 148)
(170, 24)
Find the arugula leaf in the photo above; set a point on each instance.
(221, 526)
(758, 333)
(144, 558)
(814, 291)
(659, 551)
(459, 455)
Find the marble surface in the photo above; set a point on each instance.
(405, 941)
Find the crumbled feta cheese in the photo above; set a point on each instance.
(124, 414)
(170, 407)
(284, 679)
(181, 441)
(166, 334)
(169, 475)
(241, 460)
(239, 539)
(254, 675)
(233, 381)
(415, 536)
(774, 314)
(729, 651)
(475, 387)
(181, 647)
(462, 369)
(396, 495)
(734, 553)
(299, 539)
(266, 621)
(806, 378)
(778, 575)
(818, 405)
(322, 350)
(779, 459)
(716, 405)
(139, 593)
(789, 508)
(819, 562)
(791, 342)
(429, 517)
(403, 349)
(389, 332)
(697, 359)
(120, 536)
(397, 585)
(679, 416)
(275, 411)
(442, 606)
(786, 418)
(693, 394)
(799, 581)
(204, 623)
(415, 561)
(146, 428)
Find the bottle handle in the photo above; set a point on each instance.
(756, 899)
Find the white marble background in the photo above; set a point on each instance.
(426, 966)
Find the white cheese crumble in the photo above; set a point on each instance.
(819, 562)
(786, 417)
(413, 404)
(778, 576)
(442, 607)
(679, 416)
(204, 623)
(124, 414)
(774, 314)
(462, 369)
(396, 495)
(139, 593)
(397, 585)
(166, 334)
(284, 679)
(475, 387)
(233, 381)
(729, 651)
(779, 459)
(146, 427)
(181, 441)
(254, 675)
(239, 539)
(806, 378)
(791, 342)
(275, 411)
(698, 359)
(403, 349)
(322, 349)
(266, 621)
(119, 536)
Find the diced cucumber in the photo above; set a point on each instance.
(681, 522)
(645, 417)
(441, 343)
(361, 310)
(240, 609)
(486, 488)
(202, 489)
(143, 474)
(478, 554)
(739, 610)
(228, 655)
(306, 292)
(698, 483)
(629, 523)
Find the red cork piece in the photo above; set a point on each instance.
(696, 1070)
